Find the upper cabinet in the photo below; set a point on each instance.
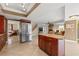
(3, 25)
(3, 31)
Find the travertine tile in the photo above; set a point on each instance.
(22, 49)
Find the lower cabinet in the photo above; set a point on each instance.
(54, 46)
(49, 45)
(3, 31)
(42, 43)
(2, 41)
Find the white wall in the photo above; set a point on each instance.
(35, 31)
(71, 9)
(71, 47)
(48, 12)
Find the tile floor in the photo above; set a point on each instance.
(71, 48)
(32, 49)
(22, 49)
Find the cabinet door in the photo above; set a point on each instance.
(54, 45)
(1, 24)
(0, 43)
(45, 43)
(39, 40)
(42, 42)
(48, 46)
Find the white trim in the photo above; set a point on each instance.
(70, 41)
(9, 9)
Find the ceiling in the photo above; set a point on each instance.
(48, 12)
(18, 6)
(45, 12)
(23, 7)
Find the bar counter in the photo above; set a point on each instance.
(51, 44)
(53, 36)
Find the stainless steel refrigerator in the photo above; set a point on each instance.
(25, 32)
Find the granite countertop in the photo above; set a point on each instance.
(53, 35)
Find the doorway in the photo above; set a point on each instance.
(13, 31)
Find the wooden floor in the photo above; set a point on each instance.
(22, 49)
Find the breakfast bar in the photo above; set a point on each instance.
(52, 44)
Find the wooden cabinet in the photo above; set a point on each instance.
(50, 45)
(2, 40)
(3, 31)
(54, 46)
(42, 43)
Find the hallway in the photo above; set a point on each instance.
(24, 49)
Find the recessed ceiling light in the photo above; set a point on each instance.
(23, 6)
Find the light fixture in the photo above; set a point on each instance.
(23, 5)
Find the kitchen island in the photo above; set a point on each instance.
(51, 44)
